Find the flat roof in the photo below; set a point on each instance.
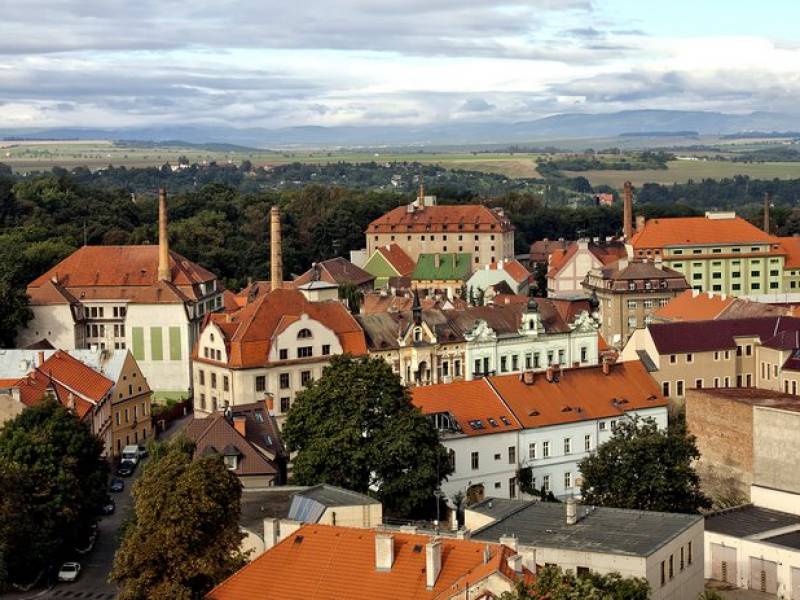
(748, 520)
(599, 529)
(756, 397)
(790, 540)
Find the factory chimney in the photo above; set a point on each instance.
(276, 255)
(164, 273)
(767, 202)
(627, 211)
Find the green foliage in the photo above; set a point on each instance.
(355, 427)
(710, 595)
(184, 537)
(553, 584)
(643, 467)
(53, 479)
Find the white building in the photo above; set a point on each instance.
(546, 422)
(664, 548)
(143, 298)
(540, 338)
(510, 272)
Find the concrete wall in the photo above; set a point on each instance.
(776, 448)
(787, 559)
(775, 499)
(688, 582)
(53, 322)
(567, 281)
(724, 431)
(365, 516)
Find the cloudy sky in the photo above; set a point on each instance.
(279, 63)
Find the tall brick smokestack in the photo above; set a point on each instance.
(164, 273)
(767, 202)
(276, 255)
(627, 211)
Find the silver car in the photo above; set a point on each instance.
(69, 572)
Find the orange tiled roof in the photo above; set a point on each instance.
(683, 231)
(791, 246)
(34, 386)
(74, 375)
(397, 257)
(605, 252)
(250, 330)
(514, 268)
(441, 219)
(324, 562)
(467, 401)
(581, 393)
(693, 306)
(118, 272)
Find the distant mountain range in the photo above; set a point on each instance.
(556, 127)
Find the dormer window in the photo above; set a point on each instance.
(304, 334)
(231, 462)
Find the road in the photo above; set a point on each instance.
(92, 584)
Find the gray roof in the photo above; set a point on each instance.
(747, 520)
(647, 361)
(790, 540)
(498, 508)
(330, 495)
(599, 529)
(270, 503)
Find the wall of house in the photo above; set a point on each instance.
(687, 370)
(687, 582)
(724, 432)
(53, 322)
(130, 407)
(768, 368)
(775, 499)
(359, 515)
(567, 282)
(599, 562)
(10, 406)
(485, 247)
(787, 559)
(495, 471)
(484, 277)
(622, 312)
(776, 447)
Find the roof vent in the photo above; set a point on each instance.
(533, 413)
(298, 539)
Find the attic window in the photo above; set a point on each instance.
(417, 548)
(298, 539)
(505, 420)
(492, 422)
(477, 424)
(303, 334)
(566, 409)
(533, 413)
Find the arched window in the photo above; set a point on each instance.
(417, 334)
(303, 334)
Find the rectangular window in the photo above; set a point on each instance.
(584, 354)
(528, 361)
(587, 442)
(512, 455)
(284, 381)
(326, 349)
(546, 483)
(226, 384)
(673, 359)
(515, 362)
(567, 445)
(689, 358)
(536, 361)
(283, 354)
(561, 357)
(214, 380)
(457, 368)
(475, 461)
(137, 333)
(261, 383)
(174, 343)
(156, 344)
(665, 388)
(476, 371)
(545, 449)
(305, 377)
(285, 404)
(671, 567)
(663, 572)
(698, 383)
(305, 352)
(503, 364)
(679, 388)
(201, 376)
(689, 554)
(532, 451)
(567, 480)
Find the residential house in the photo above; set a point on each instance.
(338, 271)
(387, 262)
(481, 436)
(442, 274)
(568, 268)
(666, 549)
(271, 348)
(751, 352)
(540, 251)
(361, 564)
(745, 436)
(510, 272)
(106, 388)
(692, 305)
(270, 514)
(144, 298)
(425, 227)
(629, 293)
(719, 252)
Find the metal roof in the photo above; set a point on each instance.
(599, 529)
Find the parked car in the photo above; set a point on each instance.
(69, 572)
(108, 506)
(134, 453)
(126, 468)
(117, 485)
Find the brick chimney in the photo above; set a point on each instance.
(164, 273)
(549, 373)
(384, 551)
(572, 511)
(40, 359)
(767, 202)
(276, 253)
(433, 562)
(240, 424)
(640, 221)
(627, 211)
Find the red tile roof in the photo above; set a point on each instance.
(691, 305)
(322, 562)
(690, 231)
(76, 376)
(791, 245)
(250, 330)
(467, 402)
(514, 268)
(441, 219)
(580, 394)
(336, 270)
(118, 272)
(605, 252)
(397, 257)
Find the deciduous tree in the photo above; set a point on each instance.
(355, 427)
(554, 584)
(184, 537)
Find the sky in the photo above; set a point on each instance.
(284, 63)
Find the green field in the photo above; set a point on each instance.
(680, 171)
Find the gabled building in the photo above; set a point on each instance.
(509, 272)
(247, 438)
(568, 268)
(271, 348)
(338, 271)
(326, 563)
(425, 227)
(388, 262)
(147, 299)
(692, 305)
(719, 252)
(442, 274)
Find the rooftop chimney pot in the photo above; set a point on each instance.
(433, 562)
(276, 252)
(572, 511)
(384, 551)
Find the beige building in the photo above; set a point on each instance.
(756, 352)
(629, 293)
(567, 268)
(425, 227)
